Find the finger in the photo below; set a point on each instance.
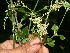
(5, 45)
(8, 44)
(32, 49)
(33, 46)
(43, 50)
(35, 41)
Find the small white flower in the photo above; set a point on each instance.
(30, 18)
(37, 20)
(6, 11)
(45, 13)
(42, 29)
(55, 6)
(6, 17)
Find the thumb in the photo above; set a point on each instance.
(33, 46)
(35, 41)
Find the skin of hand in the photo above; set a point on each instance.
(33, 46)
(8, 44)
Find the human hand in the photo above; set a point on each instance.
(8, 44)
(33, 46)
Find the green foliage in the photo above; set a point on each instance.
(22, 36)
(61, 37)
(66, 5)
(55, 27)
(25, 31)
(35, 20)
(21, 10)
(45, 8)
(51, 43)
(25, 40)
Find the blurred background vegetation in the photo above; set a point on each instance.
(54, 18)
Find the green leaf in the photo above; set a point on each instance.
(24, 17)
(18, 40)
(45, 8)
(55, 27)
(66, 4)
(51, 43)
(25, 31)
(25, 40)
(62, 37)
(12, 20)
(49, 39)
(10, 13)
(23, 34)
(19, 34)
(21, 10)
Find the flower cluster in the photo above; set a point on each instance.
(37, 20)
(41, 28)
(55, 7)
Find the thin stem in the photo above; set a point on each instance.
(7, 2)
(40, 10)
(51, 2)
(63, 18)
(13, 40)
(30, 24)
(48, 13)
(28, 9)
(35, 5)
(13, 23)
(47, 16)
(16, 20)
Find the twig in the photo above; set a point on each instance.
(63, 18)
(35, 5)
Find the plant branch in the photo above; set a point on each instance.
(35, 5)
(63, 18)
